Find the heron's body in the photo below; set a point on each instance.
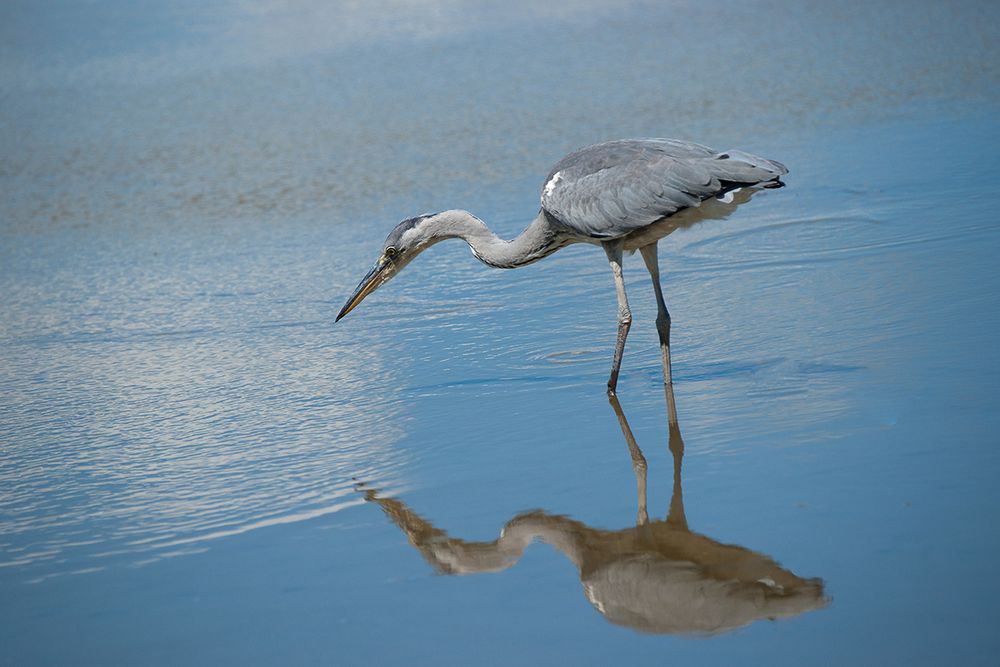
(624, 195)
(616, 189)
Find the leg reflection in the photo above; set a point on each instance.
(675, 516)
(638, 460)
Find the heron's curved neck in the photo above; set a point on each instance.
(540, 239)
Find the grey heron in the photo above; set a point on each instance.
(624, 195)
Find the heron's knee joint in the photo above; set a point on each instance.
(663, 326)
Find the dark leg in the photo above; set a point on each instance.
(614, 252)
(662, 326)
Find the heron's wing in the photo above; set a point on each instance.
(610, 189)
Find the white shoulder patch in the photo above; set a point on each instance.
(550, 186)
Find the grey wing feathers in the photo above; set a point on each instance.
(740, 167)
(610, 189)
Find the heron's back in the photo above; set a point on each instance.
(609, 190)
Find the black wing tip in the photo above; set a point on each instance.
(782, 169)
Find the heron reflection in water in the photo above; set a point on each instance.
(656, 577)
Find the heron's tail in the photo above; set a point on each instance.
(741, 168)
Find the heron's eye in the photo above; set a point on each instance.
(391, 252)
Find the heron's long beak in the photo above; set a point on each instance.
(375, 277)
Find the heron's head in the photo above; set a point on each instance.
(409, 238)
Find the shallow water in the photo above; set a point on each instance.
(198, 466)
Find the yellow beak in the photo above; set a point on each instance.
(367, 285)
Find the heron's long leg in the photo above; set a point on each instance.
(662, 327)
(614, 252)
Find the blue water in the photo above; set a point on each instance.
(198, 466)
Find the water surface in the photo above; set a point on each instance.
(197, 465)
